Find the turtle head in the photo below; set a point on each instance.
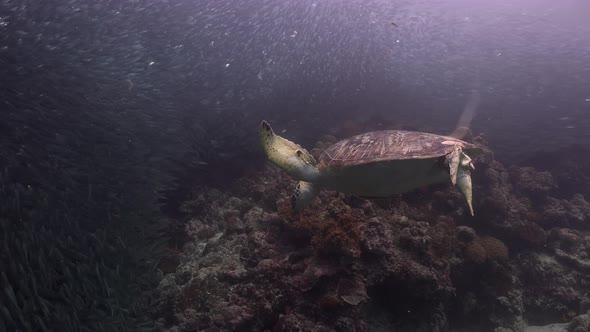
(290, 157)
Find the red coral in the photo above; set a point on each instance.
(495, 249)
(531, 234)
(330, 232)
(443, 239)
(475, 252)
(483, 248)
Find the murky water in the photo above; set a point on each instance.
(135, 193)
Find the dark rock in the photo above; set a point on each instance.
(352, 291)
(465, 233)
(532, 182)
(580, 324)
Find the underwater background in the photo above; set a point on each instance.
(135, 195)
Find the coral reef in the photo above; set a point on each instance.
(417, 262)
(283, 270)
(568, 166)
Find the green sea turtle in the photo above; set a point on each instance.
(374, 164)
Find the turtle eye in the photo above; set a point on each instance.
(299, 153)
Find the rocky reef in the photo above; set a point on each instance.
(417, 262)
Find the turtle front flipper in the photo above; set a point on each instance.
(460, 165)
(464, 179)
(464, 184)
(453, 160)
(303, 194)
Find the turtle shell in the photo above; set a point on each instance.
(388, 145)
